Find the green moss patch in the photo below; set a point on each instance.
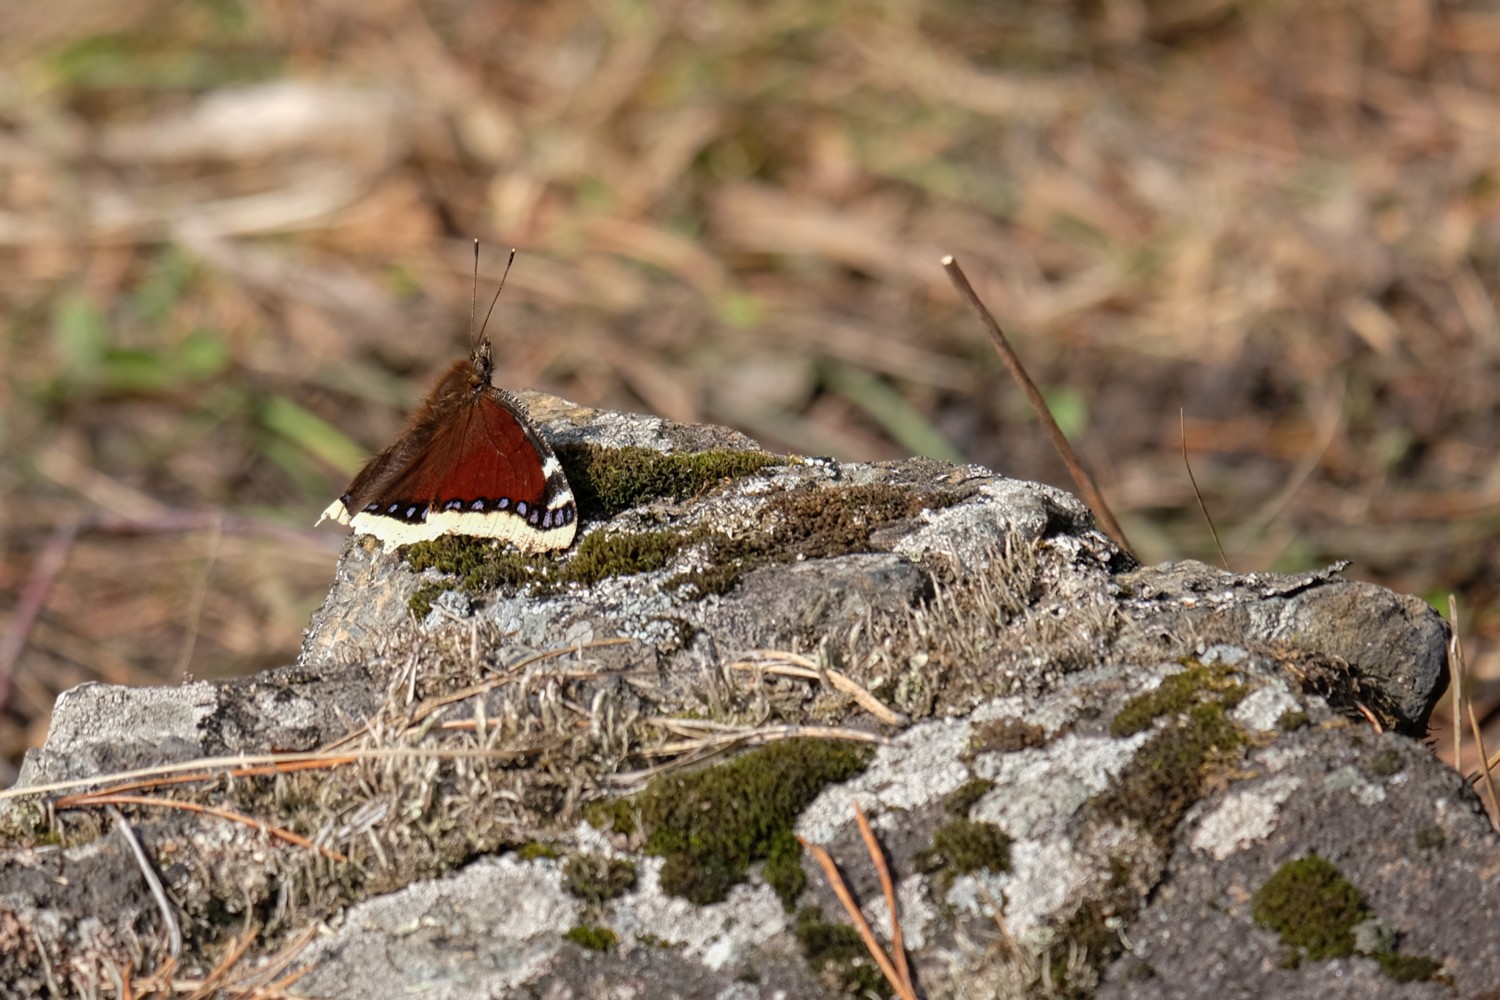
(595, 879)
(1312, 907)
(602, 555)
(838, 956)
(1430, 838)
(534, 849)
(1170, 771)
(1408, 968)
(959, 801)
(655, 941)
(1176, 694)
(420, 602)
(1315, 910)
(1291, 720)
(482, 567)
(607, 481)
(808, 523)
(711, 825)
(593, 938)
(1387, 762)
(961, 846)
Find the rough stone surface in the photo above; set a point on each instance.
(1082, 771)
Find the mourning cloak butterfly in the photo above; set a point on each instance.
(468, 463)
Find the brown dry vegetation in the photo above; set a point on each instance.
(234, 247)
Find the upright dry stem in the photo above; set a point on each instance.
(1012, 361)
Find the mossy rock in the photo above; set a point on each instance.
(608, 481)
(534, 849)
(808, 523)
(1312, 906)
(962, 846)
(593, 938)
(959, 801)
(1315, 910)
(1291, 720)
(421, 601)
(596, 879)
(711, 825)
(1178, 693)
(482, 566)
(1170, 771)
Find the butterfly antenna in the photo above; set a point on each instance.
(474, 292)
(498, 290)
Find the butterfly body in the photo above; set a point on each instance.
(470, 463)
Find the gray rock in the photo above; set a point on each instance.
(1080, 771)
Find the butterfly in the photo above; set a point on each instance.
(469, 462)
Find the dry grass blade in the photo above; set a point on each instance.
(158, 891)
(793, 665)
(1456, 661)
(1182, 423)
(887, 886)
(83, 801)
(1369, 715)
(898, 983)
(313, 757)
(1489, 778)
(195, 605)
(1059, 440)
(1456, 682)
(48, 565)
(232, 954)
(186, 779)
(158, 981)
(765, 734)
(183, 779)
(253, 983)
(1022, 957)
(430, 705)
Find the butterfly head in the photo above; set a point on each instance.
(482, 361)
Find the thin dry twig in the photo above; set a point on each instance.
(1059, 440)
(765, 734)
(240, 772)
(54, 554)
(331, 758)
(41, 949)
(1456, 682)
(195, 606)
(1456, 658)
(262, 981)
(158, 980)
(887, 886)
(258, 983)
(430, 704)
(158, 892)
(1370, 716)
(900, 984)
(84, 801)
(1022, 957)
(1489, 778)
(1182, 423)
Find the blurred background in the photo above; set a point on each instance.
(235, 247)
